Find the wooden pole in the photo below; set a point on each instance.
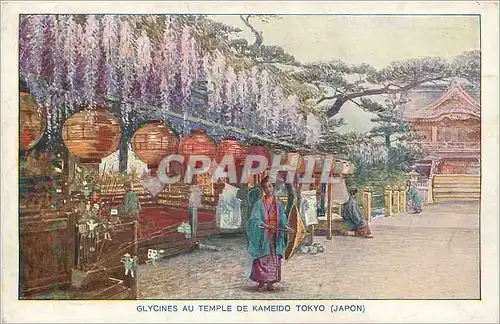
(329, 212)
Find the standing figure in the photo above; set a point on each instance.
(130, 205)
(354, 218)
(413, 200)
(266, 235)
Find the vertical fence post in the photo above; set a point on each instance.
(367, 204)
(388, 201)
(395, 200)
(430, 197)
(402, 199)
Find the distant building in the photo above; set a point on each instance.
(448, 117)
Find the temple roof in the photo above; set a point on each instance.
(436, 101)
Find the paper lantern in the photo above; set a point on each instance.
(92, 134)
(259, 150)
(153, 141)
(198, 143)
(230, 146)
(32, 121)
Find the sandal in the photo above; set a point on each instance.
(271, 288)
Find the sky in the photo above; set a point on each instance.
(376, 40)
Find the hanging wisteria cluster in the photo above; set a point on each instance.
(70, 62)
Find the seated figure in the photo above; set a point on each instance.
(353, 217)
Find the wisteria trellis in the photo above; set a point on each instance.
(69, 64)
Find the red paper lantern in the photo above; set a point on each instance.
(153, 141)
(198, 143)
(232, 147)
(32, 121)
(92, 134)
(259, 150)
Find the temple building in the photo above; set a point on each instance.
(448, 118)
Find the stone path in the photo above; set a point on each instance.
(431, 255)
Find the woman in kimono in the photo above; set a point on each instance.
(413, 198)
(354, 218)
(267, 226)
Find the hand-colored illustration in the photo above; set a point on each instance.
(125, 119)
